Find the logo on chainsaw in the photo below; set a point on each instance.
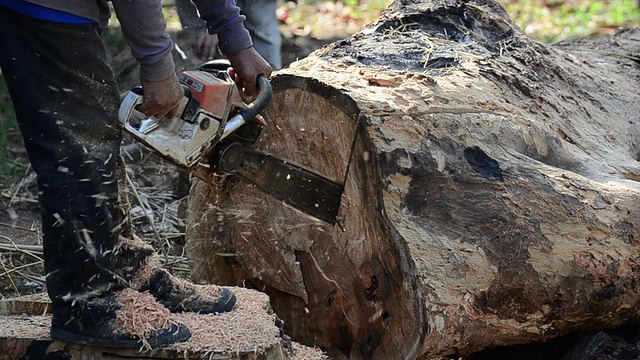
(191, 82)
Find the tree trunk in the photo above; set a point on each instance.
(491, 188)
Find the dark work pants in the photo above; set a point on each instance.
(66, 102)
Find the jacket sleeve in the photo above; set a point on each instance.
(223, 18)
(144, 30)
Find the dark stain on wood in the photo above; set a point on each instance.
(370, 292)
(483, 163)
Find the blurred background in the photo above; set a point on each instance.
(547, 20)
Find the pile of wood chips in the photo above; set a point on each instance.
(242, 330)
(140, 314)
(248, 329)
(301, 352)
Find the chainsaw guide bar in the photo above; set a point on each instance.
(303, 189)
(212, 135)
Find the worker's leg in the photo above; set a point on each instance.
(66, 103)
(262, 22)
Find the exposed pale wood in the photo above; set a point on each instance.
(36, 304)
(248, 332)
(492, 197)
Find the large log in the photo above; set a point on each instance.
(491, 188)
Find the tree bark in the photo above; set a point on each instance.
(491, 188)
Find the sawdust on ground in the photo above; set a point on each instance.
(249, 328)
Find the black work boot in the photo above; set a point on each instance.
(124, 319)
(179, 295)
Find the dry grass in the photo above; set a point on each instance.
(20, 265)
(328, 19)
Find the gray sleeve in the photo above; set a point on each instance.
(223, 18)
(144, 30)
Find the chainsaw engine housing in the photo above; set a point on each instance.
(210, 97)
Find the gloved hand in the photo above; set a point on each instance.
(247, 65)
(161, 98)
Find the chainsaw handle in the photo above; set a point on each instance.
(261, 101)
(264, 87)
(133, 98)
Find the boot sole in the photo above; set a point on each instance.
(173, 335)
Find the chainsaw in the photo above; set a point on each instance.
(213, 134)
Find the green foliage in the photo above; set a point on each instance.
(548, 20)
(13, 162)
(113, 40)
(327, 19)
(554, 20)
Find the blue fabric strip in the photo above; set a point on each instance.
(43, 13)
